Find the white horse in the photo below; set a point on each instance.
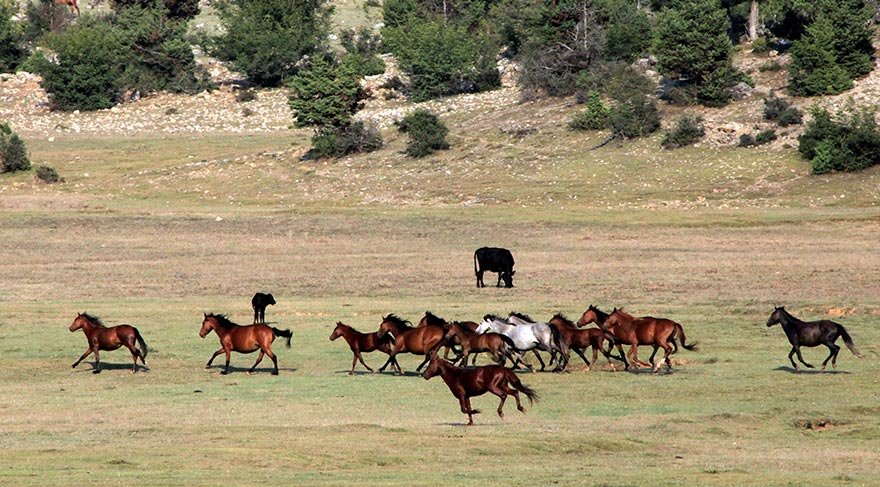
(527, 336)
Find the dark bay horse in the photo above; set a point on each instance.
(430, 319)
(242, 339)
(811, 334)
(101, 337)
(467, 383)
(499, 346)
(362, 343)
(579, 339)
(417, 341)
(645, 330)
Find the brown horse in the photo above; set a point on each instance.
(102, 338)
(242, 339)
(499, 346)
(467, 383)
(362, 343)
(430, 319)
(579, 339)
(646, 330)
(418, 341)
(74, 8)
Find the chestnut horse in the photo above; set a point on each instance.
(467, 383)
(74, 8)
(362, 343)
(101, 337)
(579, 339)
(646, 330)
(432, 319)
(418, 341)
(242, 339)
(499, 346)
(811, 334)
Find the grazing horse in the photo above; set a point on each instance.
(579, 339)
(417, 341)
(259, 303)
(101, 337)
(242, 339)
(811, 334)
(361, 343)
(528, 336)
(74, 8)
(497, 345)
(646, 330)
(467, 383)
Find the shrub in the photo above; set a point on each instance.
(774, 106)
(770, 65)
(266, 39)
(11, 50)
(44, 16)
(791, 116)
(628, 32)
(48, 175)
(362, 48)
(593, 117)
(175, 9)
(681, 95)
(324, 94)
(341, 141)
(687, 131)
(244, 96)
(634, 117)
(765, 136)
(13, 153)
(760, 45)
(850, 141)
(814, 69)
(747, 140)
(427, 133)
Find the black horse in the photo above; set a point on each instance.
(259, 303)
(811, 334)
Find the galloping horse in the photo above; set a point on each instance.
(528, 336)
(579, 339)
(430, 319)
(646, 330)
(242, 339)
(361, 343)
(102, 338)
(499, 346)
(811, 334)
(467, 383)
(418, 341)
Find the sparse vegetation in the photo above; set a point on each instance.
(48, 175)
(765, 136)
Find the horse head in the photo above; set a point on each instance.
(337, 332)
(776, 316)
(207, 324)
(435, 366)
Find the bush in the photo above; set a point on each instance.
(244, 96)
(765, 136)
(11, 50)
(48, 175)
(681, 95)
(427, 133)
(747, 140)
(628, 32)
(44, 16)
(593, 117)
(341, 141)
(850, 141)
(13, 153)
(760, 45)
(362, 48)
(770, 65)
(814, 69)
(774, 106)
(175, 9)
(634, 117)
(791, 116)
(266, 39)
(687, 131)
(324, 94)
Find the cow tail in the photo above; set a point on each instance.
(283, 333)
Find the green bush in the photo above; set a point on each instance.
(760, 45)
(628, 31)
(427, 133)
(791, 116)
(765, 136)
(687, 131)
(849, 141)
(593, 117)
(747, 140)
(814, 68)
(774, 106)
(344, 140)
(13, 153)
(682, 95)
(770, 65)
(48, 175)
(44, 16)
(634, 117)
(175, 9)
(266, 39)
(362, 48)
(11, 39)
(324, 94)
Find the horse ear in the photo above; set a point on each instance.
(206, 315)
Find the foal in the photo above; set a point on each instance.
(811, 334)
(102, 338)
(499, 346)
(362, 342)
(579, 339)
(467, 383)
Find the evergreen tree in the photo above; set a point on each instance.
(11, 51)
(814, 69)
(853, 30)
(13, 153)
(323, 94)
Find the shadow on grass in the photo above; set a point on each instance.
(259, 370)
(109, 366)
(791, 370)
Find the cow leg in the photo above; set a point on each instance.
(480, 279)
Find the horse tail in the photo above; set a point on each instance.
(283, 333)
(848, 341)
(518, 385)
(141, 343)
(559, 343)
(679, 332)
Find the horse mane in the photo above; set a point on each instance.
(94, 320)
(431, 317)
(491, 317)
(223, 320)
(522, 316)
(561, 317)
(398, 320)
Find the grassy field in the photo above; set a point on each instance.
(155, 231)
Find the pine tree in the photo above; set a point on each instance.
(814, 69)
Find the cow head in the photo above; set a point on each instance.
(508, 278)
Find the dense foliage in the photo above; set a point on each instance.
(11, 50)
(324, 94)
(13, 153)
(848, 141)
(593, 117)
(177, 9)
(427, 134)
(688, 130)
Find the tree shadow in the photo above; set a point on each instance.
(805, 371)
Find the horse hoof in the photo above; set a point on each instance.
(224, 372)
(274, 372)
(73, 366)
(96, 371)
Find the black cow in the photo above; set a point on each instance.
(259, 303)
(494, 260)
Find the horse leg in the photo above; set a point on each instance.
(424, 363)
(622, 356)
(83, 356)
(361, 358)
(466, 409)
(583, 357)
(135, 353)
(653, 353)
(218, 352)
(791, 359)
(801, 357)
(272, 356)
(503, 395)
(259, 359)
(833, 349)
(540, 360)
(228, 356)
(387, 362)
(97, 362)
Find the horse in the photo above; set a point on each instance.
(101, 337)
(74, 8)
(418, 341)
(597, 316)
(242, 339)
(361, 343)
(528, 336)
(430, 319)
(579, 339)
(259, 303)
(645, 330)
(499, 346)
(811, 334)
(467, 383)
